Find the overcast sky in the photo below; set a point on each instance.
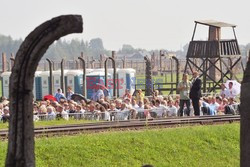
(149, 24)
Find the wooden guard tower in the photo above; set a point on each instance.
(213, 54)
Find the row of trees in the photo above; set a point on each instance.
(93, 48)
(60, 49)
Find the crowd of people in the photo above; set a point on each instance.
(223, 103)
(188, 102)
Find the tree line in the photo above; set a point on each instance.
(60, 49)
(72, 48)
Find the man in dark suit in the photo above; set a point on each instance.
(195, 93)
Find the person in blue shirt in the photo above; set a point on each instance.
(59, 95)
(99, 94)
(213, 106)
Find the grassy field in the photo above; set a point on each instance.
(51, 123)
(216, 145)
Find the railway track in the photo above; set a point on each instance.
(130, 124)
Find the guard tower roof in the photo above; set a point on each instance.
(214, 23)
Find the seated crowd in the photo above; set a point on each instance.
(127, 107)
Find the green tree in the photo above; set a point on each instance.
(127, 49)
(96, 47)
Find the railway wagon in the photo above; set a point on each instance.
(93, 79)
(73, 78)
(5, 83)
(37, 91)
(44, 84)
(125, 79)
(57, 79)
(5, 79)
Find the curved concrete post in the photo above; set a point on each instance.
(92, 63)
(4, 62)
(21, 128)
(245, 118)
(51, 90)
(161, 55)
(177, 67)
(12, 60)
(149, 84)
(84, 90)
(114, 74)
(53, 65)
(76, 64)
(177, 70)
(123, 63)
(230, 62)
(62, 76)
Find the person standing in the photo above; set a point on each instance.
(69, 92)
(139, 95)
(100, 93)
(231, 92)
(184, 88)
(195, 93)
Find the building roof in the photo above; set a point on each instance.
(215, 23)
(135, 56)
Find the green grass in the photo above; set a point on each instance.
(140, 79)
(51, 123)
(216, 145)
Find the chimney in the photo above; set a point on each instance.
(4, 62)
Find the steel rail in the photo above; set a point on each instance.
(130, 124)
